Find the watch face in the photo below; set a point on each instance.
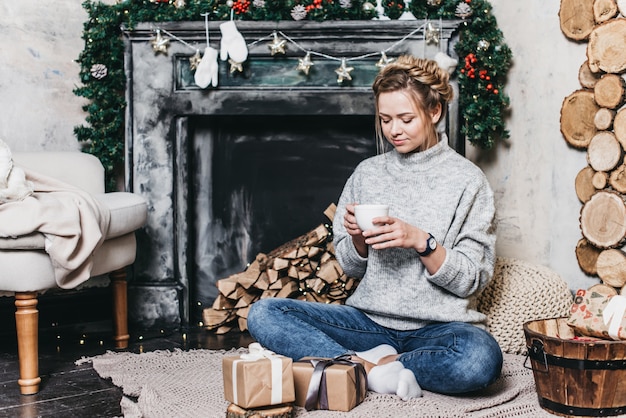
(432, 243)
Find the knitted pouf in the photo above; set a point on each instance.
(521, 292)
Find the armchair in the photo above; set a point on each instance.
(27, 269)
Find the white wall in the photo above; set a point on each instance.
(533, 175)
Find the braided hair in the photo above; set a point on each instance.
(424, 81)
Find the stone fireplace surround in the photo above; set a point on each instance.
(174, 127)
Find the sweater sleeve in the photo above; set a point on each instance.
(470, 258)
(352, 263)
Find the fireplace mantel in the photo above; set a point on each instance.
(162, 100)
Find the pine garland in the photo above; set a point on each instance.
(482, 72)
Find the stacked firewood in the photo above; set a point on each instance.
(593, 119)
(304, 268)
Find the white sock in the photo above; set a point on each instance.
(393, 378)
(407, 385)
(373, 355)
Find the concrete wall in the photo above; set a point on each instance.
(533, 175)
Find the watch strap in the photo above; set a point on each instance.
(429, 249)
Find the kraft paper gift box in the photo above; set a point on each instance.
(258, 378)
(336, 384)
(598, 315)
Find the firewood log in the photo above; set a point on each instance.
(602, 219)
(603, 120)
(600, 180)
(584, 184)
(576, 18)
(577, 115)
(619, 126)
(587, 256)
(611, 267)
(604, 151)
(276, 411)
(617, 180)
(609, 91)
(586, 77)
(603, 289)
(604, 50)
(604, 10)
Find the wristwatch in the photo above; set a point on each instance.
(431, 245)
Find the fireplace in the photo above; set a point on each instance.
(242, 168)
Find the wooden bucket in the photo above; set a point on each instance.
(576, 377)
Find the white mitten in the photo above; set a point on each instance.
(206, 73)
(446, 62)
(232, 43)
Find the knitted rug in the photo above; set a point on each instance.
(189, 384)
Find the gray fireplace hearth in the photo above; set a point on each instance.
(243, 167)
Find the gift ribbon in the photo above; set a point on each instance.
(257, 352)
(318, 390)
(613, 314)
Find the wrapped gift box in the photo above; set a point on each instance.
(598, 315)
(259, 378)
(334, 384)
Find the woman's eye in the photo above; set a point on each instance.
(407, 120)
(385, 120)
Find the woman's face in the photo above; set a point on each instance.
(402, 125)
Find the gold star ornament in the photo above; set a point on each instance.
(160, 43)
(277, 46)
(305, 64)
(384, 61)
(195, 61)
(235, 66)
(431, 35)
(343, 72)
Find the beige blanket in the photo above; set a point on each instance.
(189, 384)
(72, 221)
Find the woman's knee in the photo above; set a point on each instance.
(260, 312)
(266, 312)
(470, 360)
(483, 356)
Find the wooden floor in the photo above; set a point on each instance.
(68, 390)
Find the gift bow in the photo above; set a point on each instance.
(613, 314)
(318, 391)
(257, 352)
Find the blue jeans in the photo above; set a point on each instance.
(448, 358)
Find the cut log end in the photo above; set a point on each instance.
(604, 50)
(602, 219)
(577, 118)
(576, 18)
(587, 256)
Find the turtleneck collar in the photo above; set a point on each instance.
(420, 161)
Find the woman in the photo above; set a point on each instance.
(412, 320)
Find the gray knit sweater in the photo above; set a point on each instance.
(440, 192)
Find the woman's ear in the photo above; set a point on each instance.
(435, 114)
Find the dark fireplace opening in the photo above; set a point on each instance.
(259, 181)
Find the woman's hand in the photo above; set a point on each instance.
(399, 234)
(349, 222)
(393, 232)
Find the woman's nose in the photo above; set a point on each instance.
(395, 128)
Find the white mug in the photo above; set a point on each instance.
(365, 213)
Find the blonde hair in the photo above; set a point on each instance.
(425, 82)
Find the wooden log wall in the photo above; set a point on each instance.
(593, 119)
